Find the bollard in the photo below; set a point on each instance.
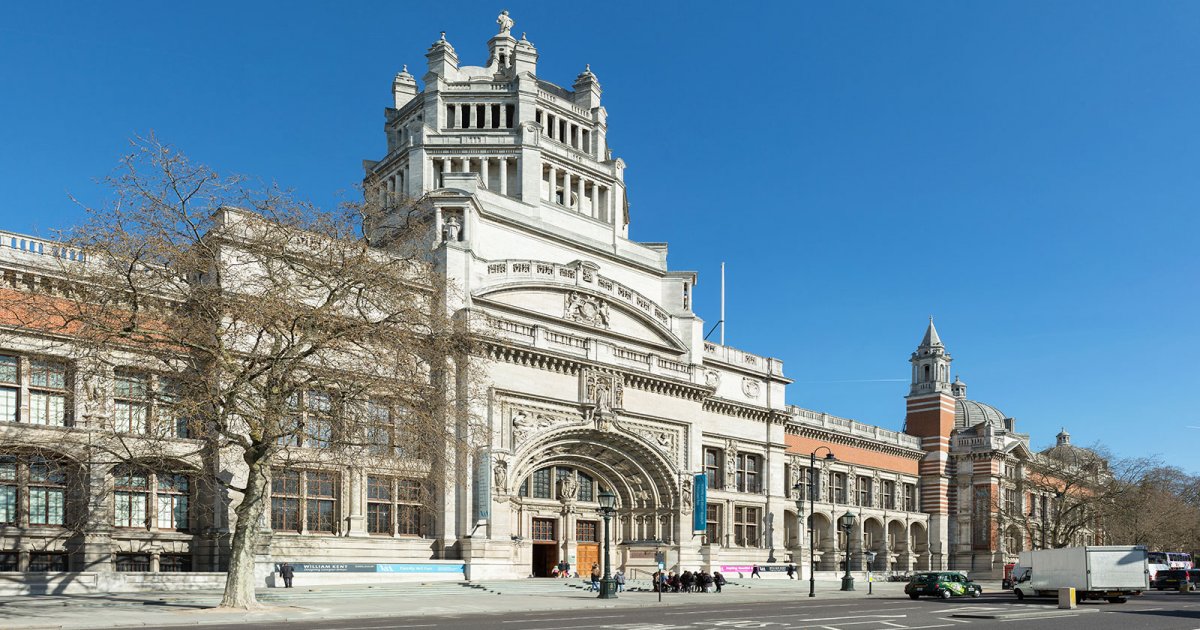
(1066, 598)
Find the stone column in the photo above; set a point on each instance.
(579, 194)
(553, 183)
(487, 116)
(484, 163)
(566, 189)
(504, 176)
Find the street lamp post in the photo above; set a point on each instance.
(608, 586)
(848, 521)
(810, 491)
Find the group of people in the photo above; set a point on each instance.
(594, 583)
(688, 582)
(562, 570)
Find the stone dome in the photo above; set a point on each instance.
(968, 413)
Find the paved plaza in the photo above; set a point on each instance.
(550, 605)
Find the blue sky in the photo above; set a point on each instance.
(1024, 171)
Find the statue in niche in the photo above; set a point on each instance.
(500, 475)
(568, 487)
(506, 23)
(451, 229)
(686, 508)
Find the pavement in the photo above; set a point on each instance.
(559, 604)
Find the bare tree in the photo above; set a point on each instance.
(277, 334)
(1159, 509)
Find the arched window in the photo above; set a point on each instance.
(926, 372)
(144, 498)
(553, 481)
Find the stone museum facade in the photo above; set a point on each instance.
(599, 378)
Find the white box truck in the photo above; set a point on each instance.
(1110, 572)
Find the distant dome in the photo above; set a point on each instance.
(968, 413)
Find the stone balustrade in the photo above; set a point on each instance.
(846, 425)
(38, 247)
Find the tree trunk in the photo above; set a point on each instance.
(239, 583)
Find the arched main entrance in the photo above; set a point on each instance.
(555, 497)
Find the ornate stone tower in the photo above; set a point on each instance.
(930, 416)
(500, 128)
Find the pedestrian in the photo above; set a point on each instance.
(706, 582)
(662, 582)
(718, 580)
(620, 578)
(595, 586)
(686, 580)
(791, 571)
(286, 572)
(754, 572)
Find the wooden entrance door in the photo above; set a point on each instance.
(587, 547)
(585, 555)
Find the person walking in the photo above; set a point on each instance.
(718, 580)
(754, 572)
(620, 578)
(595, 585)
(286, 572)
(791, 571)
(662, 582)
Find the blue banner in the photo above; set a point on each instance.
(700, 503)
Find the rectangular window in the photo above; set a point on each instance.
(712, 523)
(541, 484)
(838, 481)
(174, 563)
(133, 562)
(379, 505)
(889, 495)
(543, 529)
(318, 423)
(587, 488)
(1010, 501)
(408, 511)
(131, 496)
(585, 531)
(745, 526)
(864, 491)
(9, 388)
(8, 490)
(712, 467)
(321, 501)
(748, 473)
(9, 562)
(130, 404)
(48, 393)
(910, 497)
(47, 562)
(285, 500)
(172, 502)
(170, 418)
(47, 492)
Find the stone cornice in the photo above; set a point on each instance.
(546, 360)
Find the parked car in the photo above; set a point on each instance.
(1173, 578)
(943, 584)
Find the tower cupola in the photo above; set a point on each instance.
(958, 389)
(1063, 438)
(931, 365)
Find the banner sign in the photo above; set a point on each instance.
(483, 487)
(700, 503)
(749, 568)
(363, 567)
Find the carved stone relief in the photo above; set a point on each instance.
(587, 309)
(528, 422)
(686, 497)
(665, 438)
(750, 387)
(731, 447)
(712, 378)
